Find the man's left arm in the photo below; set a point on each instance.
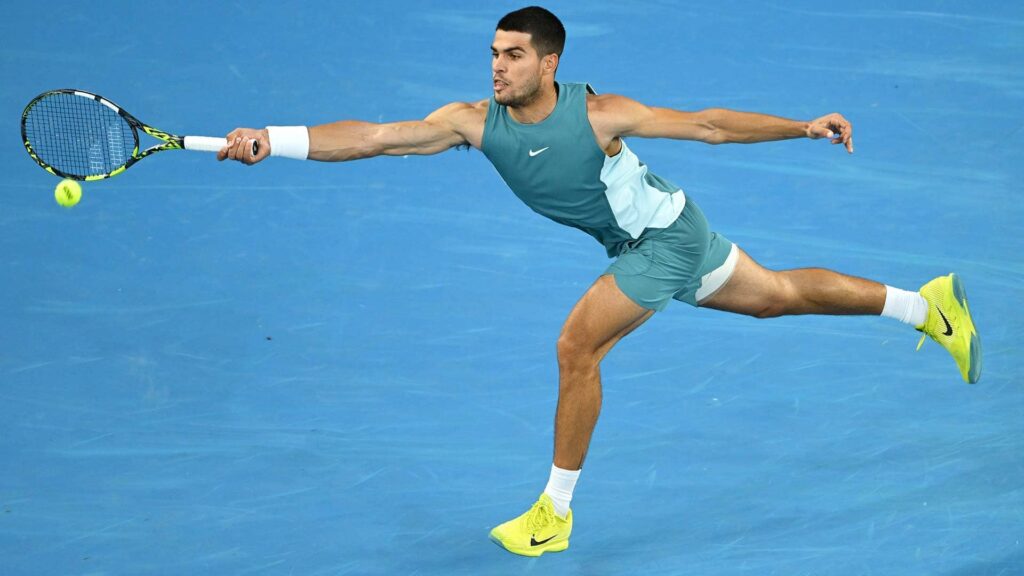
(622, 116)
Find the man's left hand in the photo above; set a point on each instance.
(834, 127)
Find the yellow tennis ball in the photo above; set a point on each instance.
(68, 193)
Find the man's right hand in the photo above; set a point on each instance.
(240, 146)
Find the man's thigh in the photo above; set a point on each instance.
(601, 318)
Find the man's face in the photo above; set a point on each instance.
(515, 69)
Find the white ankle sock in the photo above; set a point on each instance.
(561, 483)
(907, 307)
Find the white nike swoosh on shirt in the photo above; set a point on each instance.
(534, 153)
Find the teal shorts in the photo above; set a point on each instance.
(686, 262)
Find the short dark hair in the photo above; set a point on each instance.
(545, 29)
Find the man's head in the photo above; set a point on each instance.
(527, 46)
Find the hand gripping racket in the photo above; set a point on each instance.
(82, 136)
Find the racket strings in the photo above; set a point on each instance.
(78, 135)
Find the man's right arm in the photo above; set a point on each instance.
(452, 125)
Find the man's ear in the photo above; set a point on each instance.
(550, 63)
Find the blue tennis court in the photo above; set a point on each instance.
(328, 369)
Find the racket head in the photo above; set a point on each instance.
(79, 135)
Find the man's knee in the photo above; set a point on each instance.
(769, 309)
(574, 352)
(778, 298)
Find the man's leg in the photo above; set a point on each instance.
(757, 291)
(940, 310)
(600, 319)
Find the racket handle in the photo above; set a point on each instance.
(206, 144)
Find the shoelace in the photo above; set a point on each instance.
(540, 517)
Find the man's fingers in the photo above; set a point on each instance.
(834, 127)
(224, 153)
(847, 136)
(241, 151)
(231, 149)
(821, 132)
(239, 146)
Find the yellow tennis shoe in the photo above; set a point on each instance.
(949, 323)
(537, 531)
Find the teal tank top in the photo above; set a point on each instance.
(557, 169)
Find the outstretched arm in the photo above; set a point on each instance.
(447, 127)
(621, 116)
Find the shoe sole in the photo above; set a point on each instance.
(534, 552)
(974, 370)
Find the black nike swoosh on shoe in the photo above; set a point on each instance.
(535, 543)
(949, 329)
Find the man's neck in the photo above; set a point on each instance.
(539, 109)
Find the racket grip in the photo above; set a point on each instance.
(206, 144)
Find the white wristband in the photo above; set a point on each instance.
(289, 141)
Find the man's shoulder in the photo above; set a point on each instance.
(605, 102)
(613, 115)
(466, 107)
(463, 112)
(464, 118)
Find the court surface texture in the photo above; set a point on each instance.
(328, 369)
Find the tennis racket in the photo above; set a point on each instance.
(82, 136)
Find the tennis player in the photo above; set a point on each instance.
(560, 147)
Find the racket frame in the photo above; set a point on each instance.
(170, 141)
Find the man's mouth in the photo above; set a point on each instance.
(499, 84)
